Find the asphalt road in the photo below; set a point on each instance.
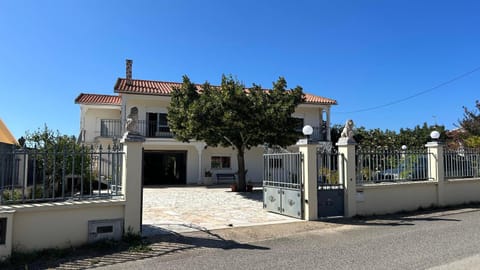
(441, 240)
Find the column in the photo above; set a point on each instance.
(200, 146)
(436, 168)
(132, 181)
(347, 173)
(309, 153)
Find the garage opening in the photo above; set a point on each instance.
(165, 168)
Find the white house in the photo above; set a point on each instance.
(167, 161)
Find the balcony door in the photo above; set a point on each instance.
(157, 125)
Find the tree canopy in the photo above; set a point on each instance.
(230, 115)
(374, 138)
(470, 125)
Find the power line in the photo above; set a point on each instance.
(418, 93)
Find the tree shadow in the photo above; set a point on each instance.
(202, 238)
(397, 219)
(256, 194)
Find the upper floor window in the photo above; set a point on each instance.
(157, 124)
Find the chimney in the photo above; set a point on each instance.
(128, 74)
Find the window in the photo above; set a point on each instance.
(158, 125)
(299, 124)
(3, 231)
(220, 162)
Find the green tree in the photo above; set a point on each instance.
(471, 126)
(57, 156)
(389, 139)
(232, 116)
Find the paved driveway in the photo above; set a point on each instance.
(191, 208)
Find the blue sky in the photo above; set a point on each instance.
(364, 54)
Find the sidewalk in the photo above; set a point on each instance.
(199, 208)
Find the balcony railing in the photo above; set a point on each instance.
(113, 128)
(150, 129)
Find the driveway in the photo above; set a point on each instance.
(193, 208)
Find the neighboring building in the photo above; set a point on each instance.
(7, 140)
(167, 161)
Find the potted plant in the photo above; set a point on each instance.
(207, 180)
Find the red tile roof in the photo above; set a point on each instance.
(145, 87)
(96, 99)
(5, 135)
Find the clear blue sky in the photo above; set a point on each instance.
(364, 54)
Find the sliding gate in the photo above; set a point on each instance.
(282, 184)
(330, 185)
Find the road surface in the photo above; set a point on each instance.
(440, 240)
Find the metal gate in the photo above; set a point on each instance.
(282, 184)
(330, 186)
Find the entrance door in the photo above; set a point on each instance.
(330, 186)
(165, 168)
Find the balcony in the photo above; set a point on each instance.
(151, 129)
(110, 128)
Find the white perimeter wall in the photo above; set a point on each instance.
(376, 199)
(56, 225)
(390, 198)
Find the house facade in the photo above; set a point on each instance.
(166, 160)
(7, 140)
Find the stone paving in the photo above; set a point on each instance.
(203, 208)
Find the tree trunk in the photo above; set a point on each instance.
(242, 184)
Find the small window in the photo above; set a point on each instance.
(105, 229)
(219, 162)
(3, 231)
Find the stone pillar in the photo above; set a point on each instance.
(132, 181)
(436, 170)
(309, 153)
(347, 174)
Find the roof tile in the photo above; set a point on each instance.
(5, 135)
(146, 87)
(94, 99)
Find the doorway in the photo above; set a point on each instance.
(165, 168)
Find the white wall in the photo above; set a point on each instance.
(461, 191)
(58, 225)
(378, 199)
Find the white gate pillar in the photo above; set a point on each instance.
(310, 203)
(347, 173)
(132, 181)
(436, 168)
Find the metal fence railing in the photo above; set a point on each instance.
(57, 173)
(328, 174)
(461, 163)
(374, 166)
(282, 170)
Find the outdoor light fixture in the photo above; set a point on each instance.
(404, 147)
(435, 135)
(307, 130)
